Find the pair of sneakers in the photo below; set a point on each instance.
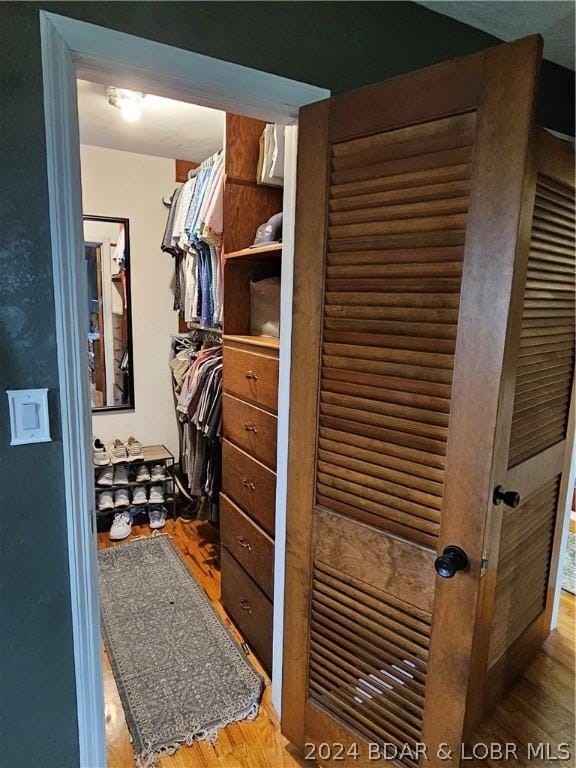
(117, 474)
(113, 499)
(116, 452)
(125, 450)
(121, 526)
(140, 494)
(113, 475)
(143, 474)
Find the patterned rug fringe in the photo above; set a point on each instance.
(149, 757)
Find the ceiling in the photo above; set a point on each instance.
(553, 19)
(167, 128)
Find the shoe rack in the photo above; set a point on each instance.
(152, 454)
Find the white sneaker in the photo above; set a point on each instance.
(121, 474)
(99, 453)
(134, 449)
(117, 451)
(121, 498)
(158, 472)
(142, 474)
(157, 517)
(156, 494)
(105, 476)
(139, 495)
(105, 501)
(121, 526)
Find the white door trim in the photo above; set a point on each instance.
(70, 49)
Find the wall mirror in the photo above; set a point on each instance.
(107, 253)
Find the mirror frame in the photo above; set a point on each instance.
(126, 222)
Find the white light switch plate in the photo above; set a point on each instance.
(29, 418)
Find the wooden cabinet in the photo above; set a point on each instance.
(249, 486)
(250, 402)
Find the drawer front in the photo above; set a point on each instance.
(253, 549)
(248, 606)
(250, 484)
(251, 376)
(251, 428)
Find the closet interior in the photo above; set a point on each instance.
(202, 310)
(241, 487)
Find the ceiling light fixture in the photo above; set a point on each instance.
(128, 102)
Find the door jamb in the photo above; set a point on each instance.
(72, 49)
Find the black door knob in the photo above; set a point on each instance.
(451, 560)
(510, 498)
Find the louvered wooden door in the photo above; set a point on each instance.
(524, 541)
(411, 207)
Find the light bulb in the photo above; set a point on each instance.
(131, 109)
(128, 102)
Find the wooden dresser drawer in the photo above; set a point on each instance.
(248, 606)
(252, 376)
(249, 544)
(251, 428)
(250, 484)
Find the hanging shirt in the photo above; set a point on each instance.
(178, 233)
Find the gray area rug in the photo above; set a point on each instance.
(569, 575)
(180, 675)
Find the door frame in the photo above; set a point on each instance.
(72, 49)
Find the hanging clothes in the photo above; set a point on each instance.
(193, 235)
(197, 380)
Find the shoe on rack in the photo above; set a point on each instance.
(99, 453)
(105, 501)
(121, 526)
(142, 474)
(122, 498)
(117, 451)
(134, 449)
(157, 516)
(158, 472)
(105, 476)
(139, 495)
(121, 474)
(156, 494)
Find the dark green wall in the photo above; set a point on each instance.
(335, 45)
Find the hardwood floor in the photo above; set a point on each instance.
(539, 708)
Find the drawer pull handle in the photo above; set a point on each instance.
(248, 484)
(243, 543)
(251, 375)
(250, 427)
(245, 605)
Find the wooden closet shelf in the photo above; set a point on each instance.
(257, 341)
(272, 249)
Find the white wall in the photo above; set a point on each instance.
(132, 186)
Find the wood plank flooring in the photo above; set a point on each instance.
(539, 708)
